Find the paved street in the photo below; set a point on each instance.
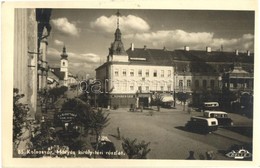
(166, 132)
(169, 140)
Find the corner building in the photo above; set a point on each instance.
(133, 76)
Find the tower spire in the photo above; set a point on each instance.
(118, 15)
(64, 55)
(64, 49)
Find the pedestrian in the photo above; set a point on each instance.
(209, 155)
(118, 133)
(191, 156)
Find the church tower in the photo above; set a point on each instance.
(116, 50)
(64, 65)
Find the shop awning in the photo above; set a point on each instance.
(167, 99)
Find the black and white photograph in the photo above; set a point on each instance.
(123, 83)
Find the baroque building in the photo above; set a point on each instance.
(133, 76)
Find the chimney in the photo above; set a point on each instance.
(208, 49)
(144, 47)
(132, 47)
(248, 53)
(236, 52)
(186, 48)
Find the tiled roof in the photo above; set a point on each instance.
(165, 57)
(213, 56)
(151, 56)
(58, 73)
(199, 58)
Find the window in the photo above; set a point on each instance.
(116, 72)
(155, 73)
(197, 84)
(162, 88)
(212, 84)
(162, 73)
(169, 73)
(131, 72)
(147, 73)
(117, 86)
(147, 88)
(180, 83)
(169, 87)
(124, 86)
(188, 83)
(140, 88)
(63, 63)
(131, 87)
(204, 84)
(140, 73)
(124, 72)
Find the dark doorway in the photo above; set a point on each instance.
(144, 101)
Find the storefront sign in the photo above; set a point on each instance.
(123, 96)
(66, 116)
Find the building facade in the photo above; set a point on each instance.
(28, 35)
(132, 76)
(128, 78)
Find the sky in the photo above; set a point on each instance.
(88, 33)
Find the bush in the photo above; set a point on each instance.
(20, 113)
(135, 150)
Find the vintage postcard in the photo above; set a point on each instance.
(141, 84)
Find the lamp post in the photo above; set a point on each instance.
(174, 89)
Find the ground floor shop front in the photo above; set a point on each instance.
(130, 100)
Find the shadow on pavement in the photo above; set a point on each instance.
(183, 128)
(243, 130)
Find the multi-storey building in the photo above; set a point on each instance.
(134, 75)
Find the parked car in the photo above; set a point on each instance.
(221, 116)
(209, 106)
(202, 124)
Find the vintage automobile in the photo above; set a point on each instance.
(209, 106)
(202, 124)
(221, 116)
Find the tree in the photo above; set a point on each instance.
(81, 108)
(57, 92)
(98, 121)
(183, 97)
(135, 150)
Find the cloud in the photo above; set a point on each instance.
(92, 58)
(63, 25)
(58, 42)
(128, 24)
(175, 39)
